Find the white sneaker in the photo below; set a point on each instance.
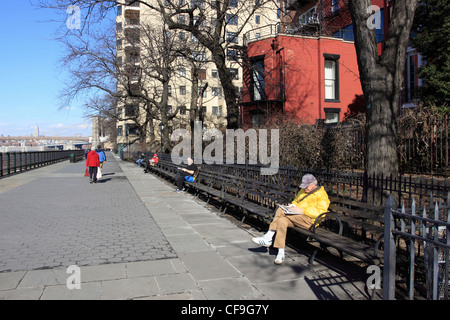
(262, 241)
(279, 259)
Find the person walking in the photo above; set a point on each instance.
(101, 158)
(92, 162)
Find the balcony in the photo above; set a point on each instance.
(308, 30)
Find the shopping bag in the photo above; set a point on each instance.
(86, 172)
(99, 173)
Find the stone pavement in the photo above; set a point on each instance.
(133, 237)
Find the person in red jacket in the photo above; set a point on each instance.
(92, 162)
(154, 160)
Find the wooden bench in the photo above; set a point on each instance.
(359, 234)
(350, 227)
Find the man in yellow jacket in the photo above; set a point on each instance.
(309, 203)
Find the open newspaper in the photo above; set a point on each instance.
(288, 209)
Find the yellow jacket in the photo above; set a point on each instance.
(315, 204)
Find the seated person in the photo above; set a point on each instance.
(141, 159)
(154, 161)
(309, 203)
(185, 173)
(151, 162)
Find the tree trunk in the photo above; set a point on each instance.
(229, 91)
(381, 80)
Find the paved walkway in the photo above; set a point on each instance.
(133, 237)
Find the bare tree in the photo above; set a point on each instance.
(381, 79)
(215, 24)
(212, 23)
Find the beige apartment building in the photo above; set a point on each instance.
(137, 23)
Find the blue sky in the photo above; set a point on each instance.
(31, 76)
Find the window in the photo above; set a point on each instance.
(257, 118)
(334, 6)
(182, 35)
(232, 19)
(182, 90)
(131, 3)
(197, 4)
(232, 54)
(132, 130)
(216, 92)
(217, 110)
(214, 74)
(232, 37)
(202, 74)
(131, 111)
(182, 72)
(331, 78)
(257, 83)
(232, 4)
(200, 92)
(332, 115)
(199, 56)
(234, 73)
(412, 81)
(119, 131)
(194, 39)
(169, 90)
(202, 24)
(257, 19)
(182, 110)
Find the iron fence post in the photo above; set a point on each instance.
(389, 252)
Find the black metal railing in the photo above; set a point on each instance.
(15, 162)
(423, 235)
(359, 186)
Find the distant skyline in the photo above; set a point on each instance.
(32, 76)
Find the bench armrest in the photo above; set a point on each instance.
(336, 216)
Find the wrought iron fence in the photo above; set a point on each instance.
(358, 186)
(423, 234)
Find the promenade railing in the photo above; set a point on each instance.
(15, 162)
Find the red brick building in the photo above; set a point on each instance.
(305, 67)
